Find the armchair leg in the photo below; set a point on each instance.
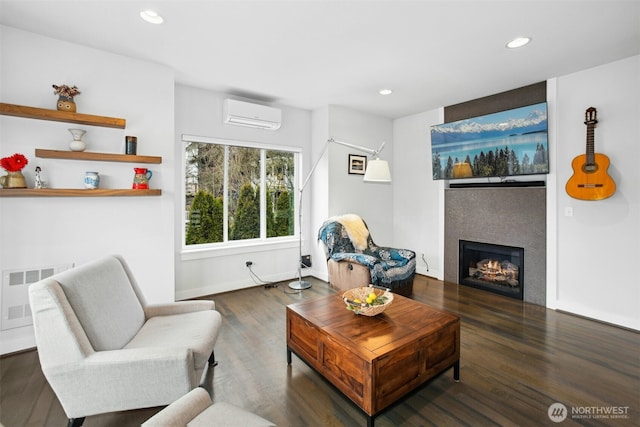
(75, 422)
(212, 360)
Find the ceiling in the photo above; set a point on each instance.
(310, 54)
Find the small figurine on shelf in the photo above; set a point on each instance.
(65, 97)
(39, 183)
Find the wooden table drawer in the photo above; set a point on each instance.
(345, 370)
(442, 348)
(303, 337)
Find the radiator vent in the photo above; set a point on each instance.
(16, 311)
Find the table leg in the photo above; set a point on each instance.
(288, 356)
(370, 421)
(456, 371)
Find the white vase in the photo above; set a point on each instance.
(77, 144)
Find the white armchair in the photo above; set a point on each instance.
(196, 409)
(102, 348)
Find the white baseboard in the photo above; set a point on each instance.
(26, 341)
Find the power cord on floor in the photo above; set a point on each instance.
(267, 285)
(258, 281)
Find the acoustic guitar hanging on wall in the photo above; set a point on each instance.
(590, 180)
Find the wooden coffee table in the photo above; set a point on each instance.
(374, 361)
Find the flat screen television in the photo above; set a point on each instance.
(504, 144)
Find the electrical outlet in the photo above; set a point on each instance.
(306, 261)
(248, 263)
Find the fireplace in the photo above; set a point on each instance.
(508, 216)
(494, 268)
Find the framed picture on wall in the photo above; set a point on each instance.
(357, 164)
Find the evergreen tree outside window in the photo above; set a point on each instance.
(246, 221)
(230, 190)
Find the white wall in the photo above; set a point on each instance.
(416, 224)
(334, 191)
(331, 190)
(597, 247)
(317, 190)
(40, 232)
(349, 193)
(199, 112)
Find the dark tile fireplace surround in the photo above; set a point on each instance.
(510, 216)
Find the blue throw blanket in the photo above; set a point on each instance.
(386, 264)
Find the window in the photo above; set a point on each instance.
(237, 191)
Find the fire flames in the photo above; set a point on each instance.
(496, 271)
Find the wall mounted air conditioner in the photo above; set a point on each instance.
(253, 115)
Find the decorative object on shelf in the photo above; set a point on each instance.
(131, 143)
(141, 178)
(65, 97)
(13, 180)
(39, 183)
(13, 165)
(91, 180)
(368, 301)
(77, 144)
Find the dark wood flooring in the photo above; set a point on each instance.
(517, 359)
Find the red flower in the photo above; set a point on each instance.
(14, 163)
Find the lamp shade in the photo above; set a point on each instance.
(377, 171)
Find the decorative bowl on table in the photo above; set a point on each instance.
(367, 300)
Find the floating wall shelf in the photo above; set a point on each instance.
(61, 116)
(76, 192)
(104, 157)
(85, 119)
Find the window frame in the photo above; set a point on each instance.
(230, 247)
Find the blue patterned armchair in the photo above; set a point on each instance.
(354, 260)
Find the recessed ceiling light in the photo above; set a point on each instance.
(385, 92)
(518, 42)
(151, 17)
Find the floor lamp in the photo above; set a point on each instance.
(377, 171)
